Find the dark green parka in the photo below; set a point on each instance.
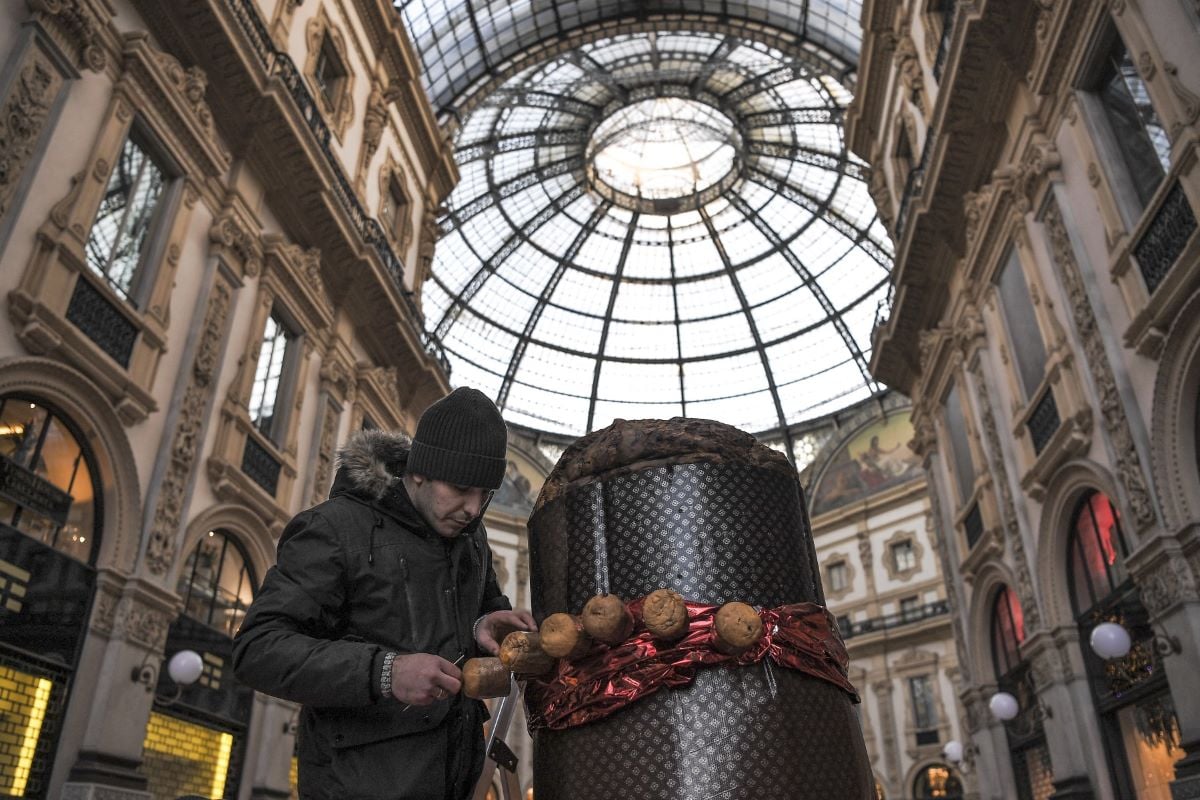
(356, 576)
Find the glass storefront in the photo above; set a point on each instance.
(1133, 701)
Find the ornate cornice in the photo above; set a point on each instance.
(80, 27)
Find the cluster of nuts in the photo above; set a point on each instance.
(605, 619)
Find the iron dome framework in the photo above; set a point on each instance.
(576, 294)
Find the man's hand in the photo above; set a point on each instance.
(498, 624)
(422, 678)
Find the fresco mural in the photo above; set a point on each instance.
(876, 457)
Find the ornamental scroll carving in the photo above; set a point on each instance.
(1129, 465)
(74, 23)
(324, 468)
(1008, 510)
(160, 551)
(23, 115)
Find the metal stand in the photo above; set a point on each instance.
(498, 752)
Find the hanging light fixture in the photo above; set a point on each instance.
(953, 751)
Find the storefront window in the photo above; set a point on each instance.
(47, 479)
(937, 782)
(1131, 694)
(217, 583)
(184, 759)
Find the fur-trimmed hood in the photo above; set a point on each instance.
(371, 463)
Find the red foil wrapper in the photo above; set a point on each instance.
(800, 636)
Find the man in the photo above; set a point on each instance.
(378, 595)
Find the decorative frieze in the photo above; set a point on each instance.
(1128, 464)
(23, 116)
(139, 624)
(185, 444)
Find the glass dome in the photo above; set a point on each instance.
(660, 223)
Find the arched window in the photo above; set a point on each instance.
(937, 782)
(217, 583)
(48, 478)
(1097, 552)
(1008, 632)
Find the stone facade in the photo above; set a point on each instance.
(1046, 271)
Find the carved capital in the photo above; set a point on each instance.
(1166, 583)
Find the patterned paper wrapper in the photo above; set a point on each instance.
(703, 509)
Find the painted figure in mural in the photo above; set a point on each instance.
(378, 595)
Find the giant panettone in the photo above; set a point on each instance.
(705, 510)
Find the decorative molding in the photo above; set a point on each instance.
(1128, 463)
(908, 65)
(1189, 101)
(234, 237)
(889, 558)
(185, 445)
(933, 522)
(339, 109)
(375, 119)
(832, 560)
(1008, 510)
(23, 115)
(323, 472)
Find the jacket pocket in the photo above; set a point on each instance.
(353, 727)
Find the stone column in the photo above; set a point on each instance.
(126, 639)
(1070, 722)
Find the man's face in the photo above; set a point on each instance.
(445, 507)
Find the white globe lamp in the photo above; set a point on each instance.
(953, 751)
(185, 667)
(1003, 706)
(1110, 640)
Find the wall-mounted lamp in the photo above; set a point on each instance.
(1111, 640)
(184, 668)
(1005, 707)
(960, 755)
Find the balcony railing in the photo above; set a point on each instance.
(281, 65)
(888, 621)
(1165, 238)
(1044, 421)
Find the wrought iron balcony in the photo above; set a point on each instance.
(888, 621)
(281, 65)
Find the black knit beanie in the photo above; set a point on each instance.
(461, 439)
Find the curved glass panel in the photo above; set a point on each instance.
(1097, 552)
(461, 43)
(662, 148)
(47, 479)
(657, 224)
(1008, 632)
(217, 583)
